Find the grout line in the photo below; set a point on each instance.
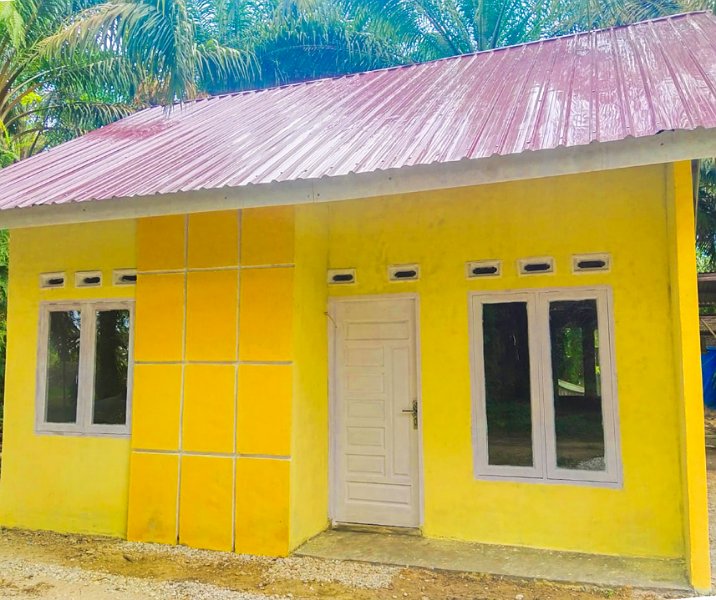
(183, 373)
(213, 362)
(233, 504)
(161, 272)
(264, 456)
(266, 362)
(240, 223)
(270, 266)
(204, 269)
(187, 362)
(217, 268)
(209, 454)
(236, 408)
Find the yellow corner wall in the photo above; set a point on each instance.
(231, 378)
(59, 482)
(621, 212)
(684, 315)
(211, 450)
(309, 464)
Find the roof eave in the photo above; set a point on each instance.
(666, 147)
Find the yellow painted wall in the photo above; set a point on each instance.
(59, 482)
(620, 212)
(309, 464)
(684, 315)
(230, 406)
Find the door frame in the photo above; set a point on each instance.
(333, 301)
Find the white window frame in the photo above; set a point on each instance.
(86, 374)
(544, 443)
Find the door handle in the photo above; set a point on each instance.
(414, 412)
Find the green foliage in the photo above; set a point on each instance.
(706, 217)
(430, 29)
(47, 98)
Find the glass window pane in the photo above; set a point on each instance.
(111, 364)
(507, 384)
(576, 385)
(63, 365)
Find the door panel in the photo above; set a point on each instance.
(374, 438)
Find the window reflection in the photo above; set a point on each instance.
(507, 384)
(576, 385)
(63, 363)
(111, 364)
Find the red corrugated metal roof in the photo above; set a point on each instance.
(600, 86)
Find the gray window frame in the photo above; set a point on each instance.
(85, 391)
(544, 469)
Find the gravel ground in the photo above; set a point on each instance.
(53, 566)
(21, 578)
(350, 574)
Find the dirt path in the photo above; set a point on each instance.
(54, 566)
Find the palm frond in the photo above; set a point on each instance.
(12, 25)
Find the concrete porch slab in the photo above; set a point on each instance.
(415, 551)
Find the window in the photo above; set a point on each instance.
(84, 367)
(544, 386)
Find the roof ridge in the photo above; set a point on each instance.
(413, 65)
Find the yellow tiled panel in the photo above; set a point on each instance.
(205, 502)
(267, 236)
(159, 326)
(212, 310)
(264, 410)
(161, 243)
(208, 421)
(262, 504)
(153, 480)
(156, 401)
(266, 314)
(214, 239)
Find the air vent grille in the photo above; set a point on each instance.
(88, 279)
(403, 272)
(484, 268)
(536, 266)
(589, 263)
(124, 277)
(341, 276)
(52, 280)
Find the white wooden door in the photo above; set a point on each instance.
(375, 434)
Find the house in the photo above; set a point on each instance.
(458, 297)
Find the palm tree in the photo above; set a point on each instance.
(39, 95)
(431, 29)
(158, 38)
(295, 40)
(68, 66)
(310, 40)
(582, 15)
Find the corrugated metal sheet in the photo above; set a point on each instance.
(594, 87)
